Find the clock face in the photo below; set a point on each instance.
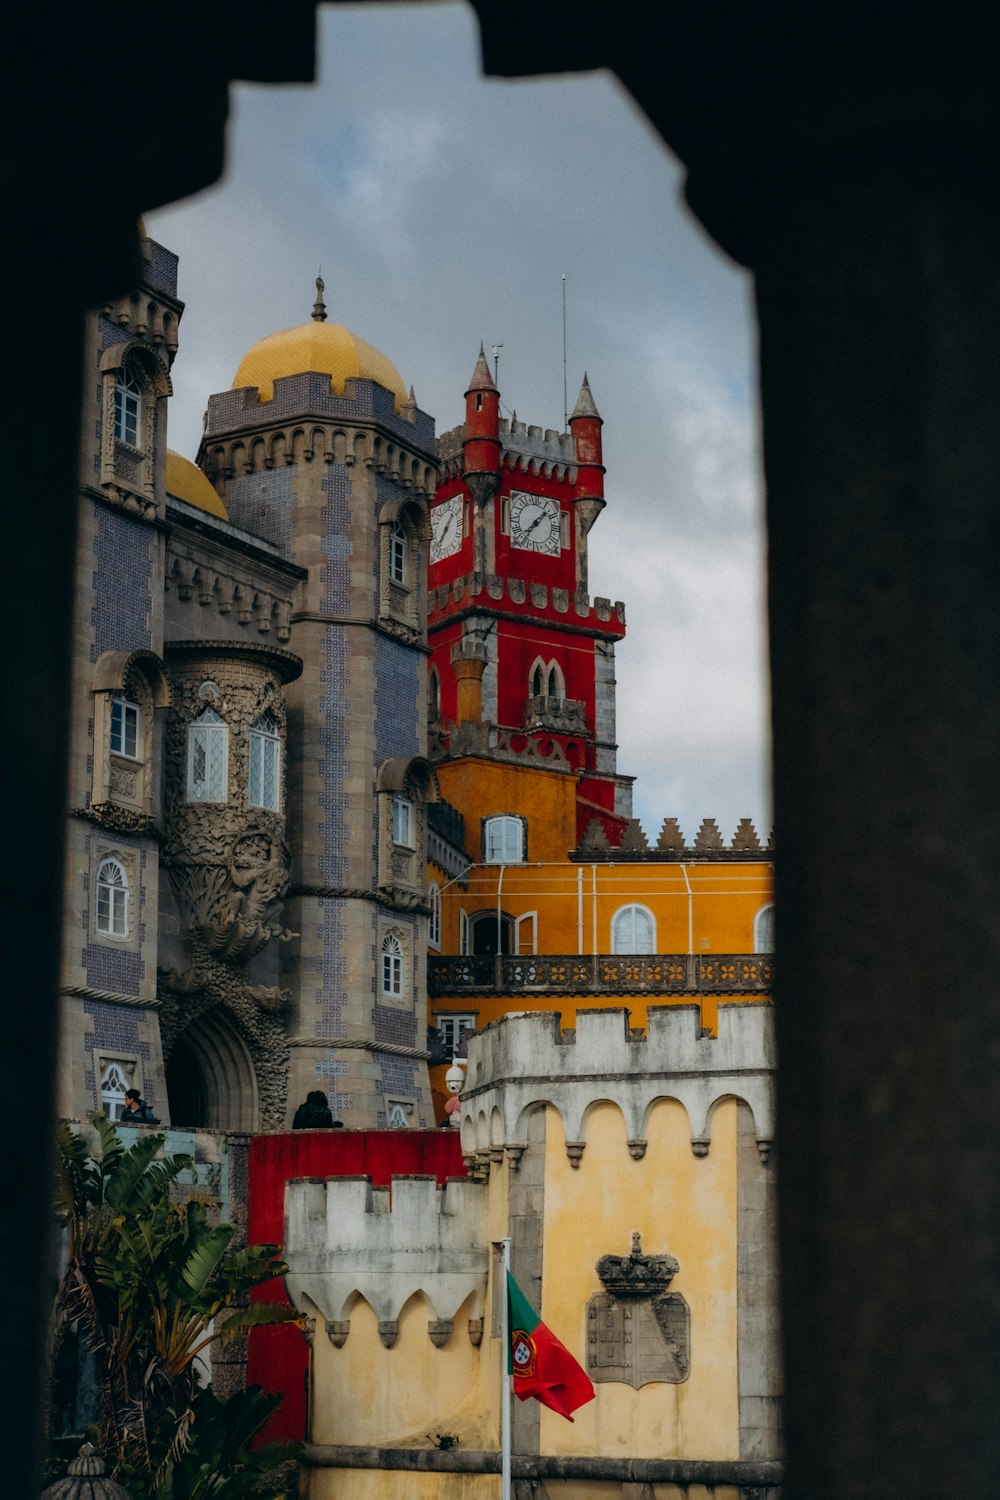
(446, 528)
(534, 523)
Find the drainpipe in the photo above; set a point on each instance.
(690, 895)
(498, 959)
(579, 910)
(593, 947)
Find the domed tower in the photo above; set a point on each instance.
(320, 450)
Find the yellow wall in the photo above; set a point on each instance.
(682, 1205)
(480, 788)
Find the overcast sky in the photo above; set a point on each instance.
(444, 209)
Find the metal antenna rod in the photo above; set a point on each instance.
(496, 364)
(565, 400)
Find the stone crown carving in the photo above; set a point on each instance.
(636, 1275)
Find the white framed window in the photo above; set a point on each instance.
(265, 764)
(633, 930)
(392, 966)
(128, 407)
(526, 933)
(397, 552)
(125, 727)
(434, 917)
(208, 758)
(402, 822)
(398, 1113)
(503, 841)
(112, 899)
(763, 930)
(114, 1082)
(453, 1029)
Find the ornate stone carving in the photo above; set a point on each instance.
(440, 1331)
(638, 1332)
(337, 1333)
(122, 780)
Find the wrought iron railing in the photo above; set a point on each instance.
(602, 974)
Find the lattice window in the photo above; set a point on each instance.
(114, 1082)
(633, 930)
(112, 899)
(453, 1030)
(208, 757)
(392, 966)
(128, 408)
(434, 919)
(503, 841)
(125, 727)
(397, 552)
(402, 822)
(265, 764)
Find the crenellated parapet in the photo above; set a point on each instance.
(518, 595)
(345, 1239)
(524, 1062)
(708, 843)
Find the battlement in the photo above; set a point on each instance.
(310, 396)
(520, 445)
(746, 844)
(345, 1237)
(530, 597)
(526, 1060)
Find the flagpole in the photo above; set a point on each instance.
(507, 1380)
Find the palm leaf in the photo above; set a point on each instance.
(130, 1169)
(204, 1260)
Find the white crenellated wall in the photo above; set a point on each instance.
(526, 1061)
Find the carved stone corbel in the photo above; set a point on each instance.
(574, 1150)
(337, 1333)
(700, 1145)
(388, 1331)
(514, 1154)
(764, 1151)
(475, 1332)
(637, 1149)
(440, 1331)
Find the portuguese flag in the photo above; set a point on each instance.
(540, 1365)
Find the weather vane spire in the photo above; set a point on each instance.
(319, 306)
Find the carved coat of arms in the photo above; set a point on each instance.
(638, 1332)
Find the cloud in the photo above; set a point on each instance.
(444, 209)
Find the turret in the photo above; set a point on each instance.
(481, 447)
(588, 499)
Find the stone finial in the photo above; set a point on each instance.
(745, 838)
(671, 838)
(319, 306)
(86, 1477)
(708, 835)
(594, 838)
(633, 837)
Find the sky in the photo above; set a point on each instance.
(444, 209)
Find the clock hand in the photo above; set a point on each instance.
(540, 517)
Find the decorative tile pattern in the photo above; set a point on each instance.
(115, 1030)
(114, 969)
(331, 991)
(337, 548)
(397, 1075)
(162, 270)
(122, 584)
(398, 669)
(334, 704)
(262, 505)
(395, 1025)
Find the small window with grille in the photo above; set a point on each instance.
(125, 727)
(128, 406)
(208, 755)
(453, 1029)
(265, 764)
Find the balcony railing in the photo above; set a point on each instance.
(602, 974)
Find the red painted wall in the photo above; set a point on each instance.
(278, 1358)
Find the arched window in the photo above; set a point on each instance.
(536, 682)
(490, 936)
(392, 966)
(265, 764)
(397, 552)
(208, 757)
(504, 840)
(113, 1086)
(125, 727)
(112, 899)
(434, 919)
(128, 407)
(763, 930)
(433, 696)
(633, 930)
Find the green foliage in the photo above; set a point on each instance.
(153, 1284)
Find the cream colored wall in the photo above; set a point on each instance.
(367, 1394)
(681, 1204)
(376, 1484)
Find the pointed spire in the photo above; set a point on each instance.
(319, 306)
(585, 405)
(481, 380)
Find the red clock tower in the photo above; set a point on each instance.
(522, 659)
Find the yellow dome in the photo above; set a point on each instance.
(319, 348)
(186, 481)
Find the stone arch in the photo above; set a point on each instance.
(211, 1080)
(142, 358)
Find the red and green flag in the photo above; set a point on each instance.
(540, 1364)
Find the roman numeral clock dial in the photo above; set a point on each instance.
(534, 523)
(446, 528)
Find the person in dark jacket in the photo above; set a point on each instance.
(137, 1111)
(315, 1114)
